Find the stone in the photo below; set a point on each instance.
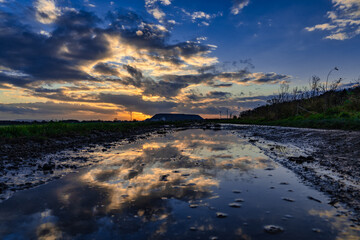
(288, 199)
(235, 205)
(273, 229)
(221, 215)
(193, 205)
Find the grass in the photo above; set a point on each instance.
(342, 120)
(330, 110)
(61, 129)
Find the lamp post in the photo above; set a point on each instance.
(327, 79)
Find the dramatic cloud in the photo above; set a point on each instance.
(77, 43)
(344, 20)
(238, 5)
(121, 63)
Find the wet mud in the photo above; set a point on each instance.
(209, 182)
(328, 160)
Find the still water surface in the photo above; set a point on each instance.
(175, 187)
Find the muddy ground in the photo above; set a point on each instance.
(26, 163)
(329, 160)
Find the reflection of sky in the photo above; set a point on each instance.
(198, 156)
(338, 221)
(160, 187)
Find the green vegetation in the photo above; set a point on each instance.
(328, 109)
(63, 129)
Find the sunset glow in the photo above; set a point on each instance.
(92, 59)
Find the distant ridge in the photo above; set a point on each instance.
(175, 117)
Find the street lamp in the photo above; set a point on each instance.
(327, 79)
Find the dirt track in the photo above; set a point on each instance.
(329, 160)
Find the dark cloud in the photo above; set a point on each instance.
(137, 104)
(50, 108)
(222, 85)
(266, 78)
(43, 58)
(218, 95)
(134, 72)
(163, 88)
(106, 69)
(233, 105)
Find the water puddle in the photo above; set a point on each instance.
(191, 184)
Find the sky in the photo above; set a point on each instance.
(123, 59)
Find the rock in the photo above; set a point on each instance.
(221, 215)
(317, 230)
(3, 187)
(193, 228)
(301, 159)
(236, 191)
(269, 169)
(48, 166)
(333, 202)
(235, 205)
(288, 199)
(193, 205)
(284, 183)
(239, 200)
(273, 229)
(314, 199)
